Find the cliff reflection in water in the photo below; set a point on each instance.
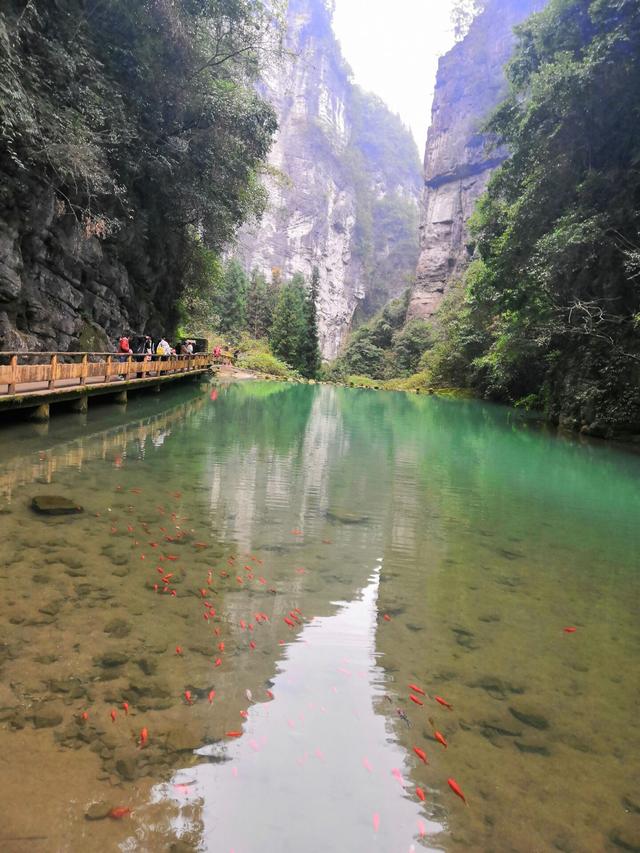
(302, 515)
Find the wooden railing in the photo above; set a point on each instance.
(20, 372)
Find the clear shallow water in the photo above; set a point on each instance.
(480, 538)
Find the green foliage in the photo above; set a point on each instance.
(261, 301)
(287, 335)
(136, 111)
(256, 355)
(311, 360)
(385, 347)
(231, 300)
(553, 303)
(203, 279)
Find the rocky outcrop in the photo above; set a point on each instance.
(343, 185)
(457, 164)
(63, 289)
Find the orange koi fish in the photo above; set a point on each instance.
(244, 714)
(119, 812)
(212, 696)
(416, 700)
(218, 662)
(178, 650)
(125, 706)
(441, 739)
(144, 737)
(269, 694)
(171, 557)
(233, 734)
(262, 580)
(221, 647)
(420, 794)
(243, 624)
(187, 696)
(456, 790)
(113, 715)
(289, 622)
(417, 689)
(443, 702)
(386, 617)
(174, 593)
(252, 645)
(569, 630)
(422, 755)
(84, 716)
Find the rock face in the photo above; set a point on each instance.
(63, 289)
(344, 185)
(457, 166)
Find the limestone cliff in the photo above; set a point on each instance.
(457, 165)
(344, 184)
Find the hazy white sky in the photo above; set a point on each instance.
(393, 47)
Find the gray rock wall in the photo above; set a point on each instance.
(314, 204)
(457, 166)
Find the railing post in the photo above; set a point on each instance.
(53, 371)
(108, 369)
(129, 363)
(84, 369)
(13, 376)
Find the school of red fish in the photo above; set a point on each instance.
(244, 574)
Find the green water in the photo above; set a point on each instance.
(479, 537)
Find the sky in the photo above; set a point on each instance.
(393, 47)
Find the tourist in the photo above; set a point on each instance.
(163, 349)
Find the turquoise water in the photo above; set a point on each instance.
(478, 536)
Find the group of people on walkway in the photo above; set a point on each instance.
(145, 349)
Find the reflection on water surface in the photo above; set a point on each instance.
(321, 550)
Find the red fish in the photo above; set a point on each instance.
(221, 647)
(243, 624)
(252, 645)
(569, 630)
(233, 734)
(187, 696)
(203, 593)
(417, 689)
(113, 715)
(212, 696)
(386, 617)
(269, 694)
(119, 812)
(420, 794)
(125, 706)
(376, 821)
(144, 736)
(178, 650)
(244, 714)
(422, 755)
(84, 716)
(456, 790)
(441, 739)
(213, 396)
(261, 580)
(443, 702)
(218, 662)
(289, 622)
(174, 593)
(416, 700)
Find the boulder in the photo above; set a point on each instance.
(54, 505)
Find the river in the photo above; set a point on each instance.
(259, 573)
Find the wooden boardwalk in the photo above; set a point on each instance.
(35, 380)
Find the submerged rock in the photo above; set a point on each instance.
(98, 811)
(528, 718)
(626, 839)
(54, 505)
(111, 659)
(45, 719)
(532, 749)
(118, 628)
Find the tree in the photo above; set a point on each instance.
(553, 301)
(231, 305)
(260, 306)
(311, 351)
(289, 327)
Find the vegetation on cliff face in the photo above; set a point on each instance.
(550, 311)
(141, 120)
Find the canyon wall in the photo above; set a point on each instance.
(343, 182)
(457, 164)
